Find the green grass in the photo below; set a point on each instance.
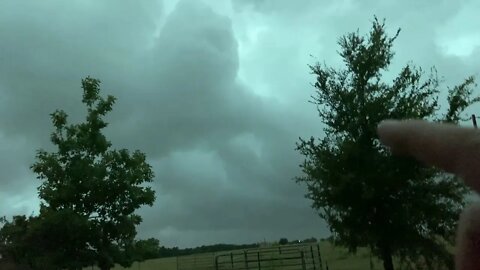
(163, 264)
(337, 259)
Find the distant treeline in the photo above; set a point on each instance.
(151, 248)
(175, 251)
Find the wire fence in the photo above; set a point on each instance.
(288, 257)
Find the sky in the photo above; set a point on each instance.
(215, 92)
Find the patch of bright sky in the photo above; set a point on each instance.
(461, 45)
(21, 203)
(340, 8)
(269, 37)
(248, 27)
(460, 36)
(166, 9)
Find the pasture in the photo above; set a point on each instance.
(336, 258)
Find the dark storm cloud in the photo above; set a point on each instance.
(215, 139)
(190, 71)
(46, 48)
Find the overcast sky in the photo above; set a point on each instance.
(215, 92)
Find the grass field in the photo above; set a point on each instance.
(337, 259)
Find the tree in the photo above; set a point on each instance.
(12, 235)
(310, 240)
(89, 193)
(368, 197)
(283, 241)
(147, 249)
(30, 241)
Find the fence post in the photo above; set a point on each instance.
(216, 262)
(246, 259)
(319, 257)
(177, 262)
(303, 260)
(313, 257)
(258, 260)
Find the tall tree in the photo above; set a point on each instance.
(93, 189)
(393, 205)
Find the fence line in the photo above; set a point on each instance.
(293, 257)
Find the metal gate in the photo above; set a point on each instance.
(289, 257)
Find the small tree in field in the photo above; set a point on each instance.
(393, 205)
(283, 241)
(89, 193)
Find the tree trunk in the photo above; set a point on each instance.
(387, 259)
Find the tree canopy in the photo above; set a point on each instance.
(368, 197)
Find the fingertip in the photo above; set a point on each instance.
(386, 131)
(387, 125)
(468, 239)
(388, 122)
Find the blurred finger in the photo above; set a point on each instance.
(467, 255)
(449, 147)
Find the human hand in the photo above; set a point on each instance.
(454, 149)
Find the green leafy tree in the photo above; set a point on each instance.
(368, 197)
(30, 241)
(89, 193)
(12, 238)
(283, 241)
(147, 249)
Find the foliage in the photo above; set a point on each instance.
(12, 238)
(175, 251)
(283, 241)
(393, 205)
(88, 194)
(310, 240)
(147, 249)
